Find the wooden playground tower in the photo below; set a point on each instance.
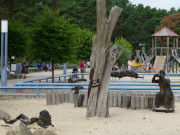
(163, 42)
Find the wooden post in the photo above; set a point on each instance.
(115, 99)
(66, 97)
(53, 98)
(146, 102)
(85, 100)
(142, 102)
(128, 101)
(80, 100)
(75, 100)
(133, 102)
(110, 96)
(57, 98)
(71, 99)
(153, 46)
(138, 102)
(167, 54)
(49, 98)
(119, 100)
(62, 97)
(150, 102)
(177, 46)
(123, 101)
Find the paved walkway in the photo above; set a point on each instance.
(36, 75)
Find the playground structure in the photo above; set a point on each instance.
(163, 55)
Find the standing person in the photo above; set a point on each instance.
(116, 67)
(130, 65)
(82, 67)
(24, 70)
(88, 64)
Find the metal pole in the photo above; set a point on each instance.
(4, 51)
(65, 68)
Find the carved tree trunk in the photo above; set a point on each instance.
(102, 59)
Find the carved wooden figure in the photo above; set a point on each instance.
(165, 97)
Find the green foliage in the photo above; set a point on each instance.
(127, 48)
(54, 37)
(17, 39)
(84, 42)
(137, 23)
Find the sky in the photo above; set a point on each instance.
(162, 4)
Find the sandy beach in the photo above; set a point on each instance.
(70, 121)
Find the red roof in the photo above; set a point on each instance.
(165, 32)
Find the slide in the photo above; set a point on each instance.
(159, 63)
(174, 54)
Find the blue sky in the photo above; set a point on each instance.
(162, 4)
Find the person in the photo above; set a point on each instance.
(75, 70)
(88, 64)
(39, 66)
(43, 120)
(122, 67)
(130, 65)
(116, 67)
(174, 52)
(82, 67)
(11, 74)
(24, 70)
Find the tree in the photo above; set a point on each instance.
(127, 49)
(17, 39)
(172, 22)
(84, 37)
(102, 60)
(54, 38)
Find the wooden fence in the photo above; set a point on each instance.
(115, 99)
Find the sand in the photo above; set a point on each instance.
(72, 121)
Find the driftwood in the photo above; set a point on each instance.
(165, 97)
(125, 74)
(71, 80)
(102, 59)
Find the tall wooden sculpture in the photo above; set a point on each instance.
(165, 97)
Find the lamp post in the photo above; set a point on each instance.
(4, 51)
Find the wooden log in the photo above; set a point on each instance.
(119, 100)
(53, 98)
(154, 101)
(146, 102)
(85, 100)
(75, 100)
(49, 99)
(71, 97)
(150, 102)
(138, 102)
(110, 100)
(62, 97)
(57, 98)
(133, 102)
(115, 99)
(123, 100)
(80, 100)
(128, 101)
(142, 102)
(66, 99)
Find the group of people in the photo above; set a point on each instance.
(116, 67)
